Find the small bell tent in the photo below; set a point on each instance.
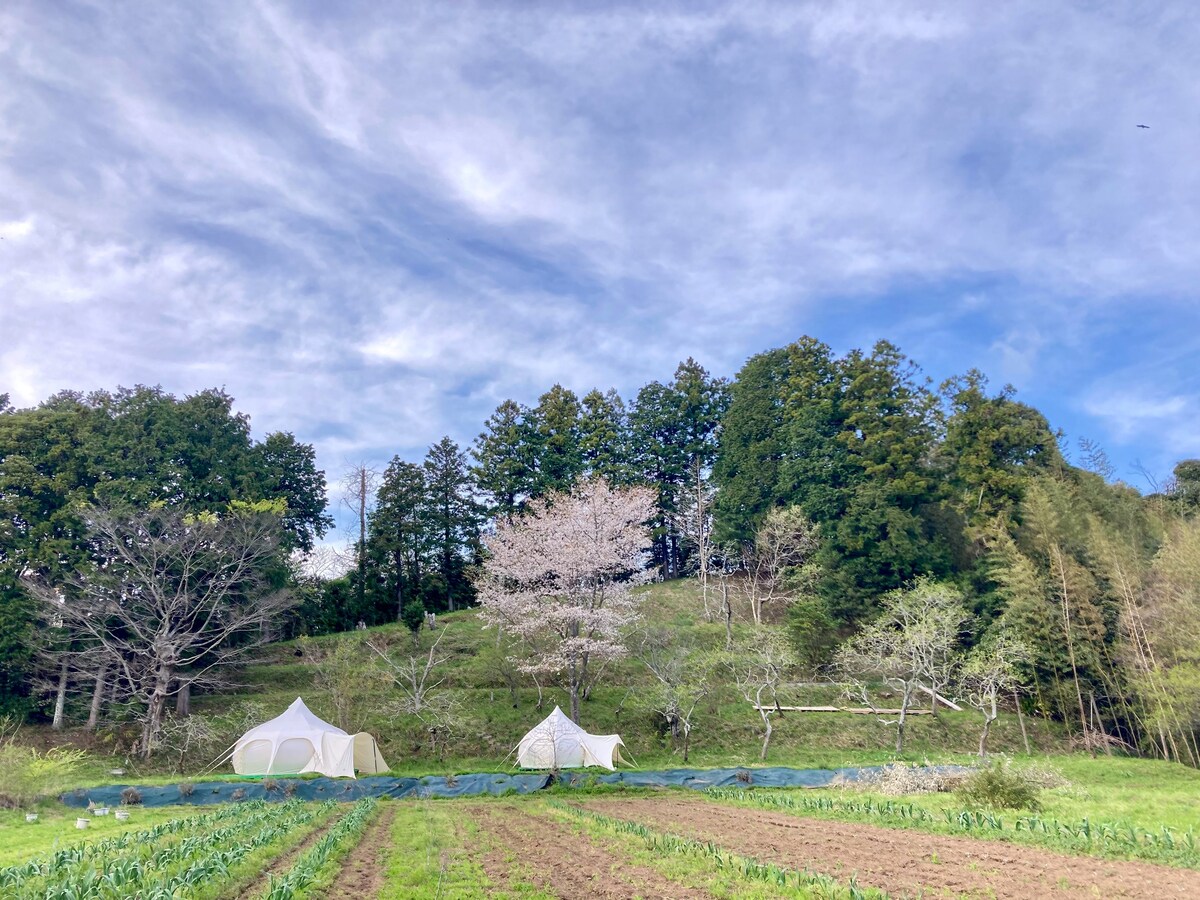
(297, 742)
(558, 743)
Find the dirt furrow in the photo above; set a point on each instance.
(903, 861)
(565, 862)
(283, 862)
(362, 874)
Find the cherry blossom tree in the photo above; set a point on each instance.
(560, 579)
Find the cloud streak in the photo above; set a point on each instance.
(371, 225)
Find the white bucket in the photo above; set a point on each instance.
(31, 817)
(82, 823)
(100, 811)
(122, 814)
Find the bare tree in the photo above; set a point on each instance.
(561, 579)
(909, 644)
(347, 672)
(358, 486)
(758, 669)
(992, 669)
(782, 549)
(413, 674)
(697, 529)
(171, 594)
(682, 675)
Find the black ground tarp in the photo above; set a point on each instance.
(452, 785)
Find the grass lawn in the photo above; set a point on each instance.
(55, 828)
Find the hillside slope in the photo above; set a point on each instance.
(489, 715)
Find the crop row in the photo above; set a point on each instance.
(778, 877)
(118, 871)
(1164, 845)
(175, 869)
(67, 857)
(304, 870)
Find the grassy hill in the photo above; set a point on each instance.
(490, 717)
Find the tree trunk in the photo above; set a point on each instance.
(154, 710)
(728, 617)
(576, 676)
(362, 540)
(766, 717)
(398, 562)
(60, 697)
(702, 540)
(1021, 722)
(1066, 607)
(987, 727)
(98, 696)
(183, 700)
(904, 701)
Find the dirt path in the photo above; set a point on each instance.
(564, 862)
(362, 873)
(283, 862)
(901, 861)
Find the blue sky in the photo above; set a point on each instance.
(371, 223)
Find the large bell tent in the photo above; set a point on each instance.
(297, 742)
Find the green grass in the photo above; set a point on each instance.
(55, 828)
(1144, 792)
(1143, 795)
(428, 858)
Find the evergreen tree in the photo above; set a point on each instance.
(399, 540)
(660, 462)
(505, 460)
(556, 435)
(747, 466)
(453, 519)
(604, 436)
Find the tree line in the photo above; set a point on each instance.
(818, 484)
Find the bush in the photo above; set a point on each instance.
(186, 789)
(1000, 786)
(30, 774)
(131, 796)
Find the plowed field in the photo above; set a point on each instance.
(902, 862)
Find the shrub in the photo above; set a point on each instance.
(269, 785)
(30, 774)
(1000, 786)
(186, 789)
(131, 796)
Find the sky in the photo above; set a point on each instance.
(370, 223)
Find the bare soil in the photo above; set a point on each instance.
(903, 861)
(283, 862)
(362, 872)
(563, 861)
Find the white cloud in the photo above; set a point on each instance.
(373, 227)
(16, 230)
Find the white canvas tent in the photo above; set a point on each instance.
(298, 742)
(558, 743)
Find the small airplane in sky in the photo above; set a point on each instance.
(1143, 126)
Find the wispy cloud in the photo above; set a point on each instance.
(372, 224)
